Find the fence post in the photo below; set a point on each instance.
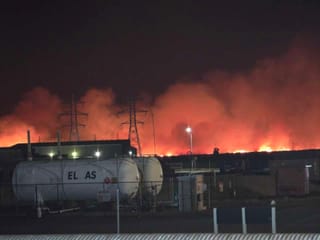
(244, 223)
(215, 222)
(118, 212)
(273, 216)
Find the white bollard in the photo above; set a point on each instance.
(215, 222)
(273, 216)
(244, 222)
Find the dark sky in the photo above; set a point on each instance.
(139, 46)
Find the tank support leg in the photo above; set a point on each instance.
(39, 212)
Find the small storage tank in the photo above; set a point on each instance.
(39, 181)
(151, 173)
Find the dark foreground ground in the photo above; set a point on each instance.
(293, 216)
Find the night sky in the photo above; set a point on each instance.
(138, 47)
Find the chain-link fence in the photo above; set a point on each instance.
(58, 197)
(180, 193)
(184, 204)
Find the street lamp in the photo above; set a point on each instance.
(189, 131)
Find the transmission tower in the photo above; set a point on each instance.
(133, 133)
(73, 114)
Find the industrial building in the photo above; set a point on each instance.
(254, 174)
(9, 156)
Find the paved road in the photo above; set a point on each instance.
(303, 217)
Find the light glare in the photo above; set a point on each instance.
(74, 154)
(97, 153)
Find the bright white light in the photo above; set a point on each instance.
(97, 153)
(130, 153)
(74, 154)
(308, 166)
(189, 129)
(51, 154)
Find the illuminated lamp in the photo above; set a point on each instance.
(74, 154)
(97, 153)
(188, 129)
(51, 154)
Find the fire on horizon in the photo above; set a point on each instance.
(274, 106)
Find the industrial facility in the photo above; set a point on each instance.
(44, 174)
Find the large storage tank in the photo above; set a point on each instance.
(39, 181)
(151, 174)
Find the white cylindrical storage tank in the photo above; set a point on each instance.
(75, 179)
(151, 173)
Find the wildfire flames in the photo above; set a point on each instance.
(274, 106)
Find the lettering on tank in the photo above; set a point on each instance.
(88, 175)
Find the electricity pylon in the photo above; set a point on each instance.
(73, 114)
(133, 134)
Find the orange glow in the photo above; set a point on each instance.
(240, 151)
(272, 107)
(169, 154)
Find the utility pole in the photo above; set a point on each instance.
(133, 133)
(73, 114)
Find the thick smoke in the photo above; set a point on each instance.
(102, 121)
(37, 112)
(274, 106)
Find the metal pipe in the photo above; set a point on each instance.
(191, 144)
(154, 134)
(62, 210)
(118, 212)
(29, 146)
(59, 145)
